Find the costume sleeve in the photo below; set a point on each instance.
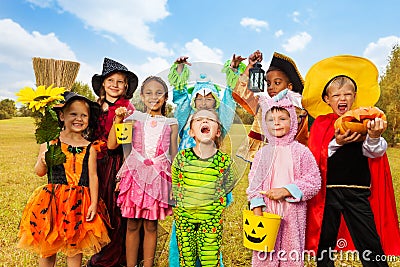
(244, 97)
(333, 147)
(309, 179)
(180, 96)
(374, 147)
(226, 110)
(232, 75)
(256, 178)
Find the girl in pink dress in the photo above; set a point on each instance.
(145, 176)
(284, 175)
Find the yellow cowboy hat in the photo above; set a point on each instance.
(361, 70)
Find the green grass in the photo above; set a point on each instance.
(17, 181)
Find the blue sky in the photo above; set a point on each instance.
(147, 36)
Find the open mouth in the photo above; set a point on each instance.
(123, 138)
(205, 129)
(342, 107)
(255, 239)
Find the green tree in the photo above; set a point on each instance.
(83, 89)
(389, 101)
(7, 109)
(24, 111)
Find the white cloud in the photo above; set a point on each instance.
(127, 19)
(41, 3)
(297, 42)
(153, 66)
(278, 33)
(197, 51)
(254, 24)
(295, 16)
(17, 47)
(379, 51)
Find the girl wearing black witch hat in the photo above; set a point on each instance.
(114, 87)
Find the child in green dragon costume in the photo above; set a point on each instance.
(202, 176)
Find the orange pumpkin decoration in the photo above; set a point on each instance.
(357, 119)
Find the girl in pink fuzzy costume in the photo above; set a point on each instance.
(284, 175)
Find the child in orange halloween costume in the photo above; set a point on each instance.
(64, 214)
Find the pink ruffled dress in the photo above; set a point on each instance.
(146, 173)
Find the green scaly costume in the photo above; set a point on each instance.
(200, 187)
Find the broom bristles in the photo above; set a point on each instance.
(60, 73)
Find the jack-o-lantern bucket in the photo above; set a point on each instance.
(260, 232)
(356, 120)
(123, 132)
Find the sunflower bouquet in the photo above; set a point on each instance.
(41, 101)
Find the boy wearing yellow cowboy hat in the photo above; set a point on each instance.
(356, 181)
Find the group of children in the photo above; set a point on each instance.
(155, 176)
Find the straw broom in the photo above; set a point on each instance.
(60, 73)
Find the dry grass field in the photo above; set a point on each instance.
(18, 152)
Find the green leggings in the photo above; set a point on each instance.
(198, 237)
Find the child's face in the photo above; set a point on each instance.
(276, 82)
(204, 127)
(76, 116)
(204, 102)
(153, 96)
(115, 85)
(340, 99)
(278, 122)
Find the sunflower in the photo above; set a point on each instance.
(42, 97)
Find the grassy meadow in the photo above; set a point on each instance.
(17, 181)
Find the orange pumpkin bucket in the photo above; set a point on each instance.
(357, 119)
(260, 232)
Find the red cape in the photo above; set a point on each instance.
(382, 194)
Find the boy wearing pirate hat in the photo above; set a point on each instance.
(281, 77)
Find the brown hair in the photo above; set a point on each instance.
(217, 140)
(102, 91)
(164, 85)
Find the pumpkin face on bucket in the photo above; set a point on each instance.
(357, 119)
(259, 232)
(123, 132)
(255, 234)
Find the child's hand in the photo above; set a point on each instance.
(255, 57)
(376, 127)
(120, 114)
(117, 187)
(236, 61)
(92, 210)
(257, 211)
(276, 193)
(183, 60)
(347, 137)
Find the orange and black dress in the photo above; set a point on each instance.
(55, 217)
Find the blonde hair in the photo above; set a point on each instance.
(338, 82)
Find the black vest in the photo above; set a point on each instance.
(348, 166)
